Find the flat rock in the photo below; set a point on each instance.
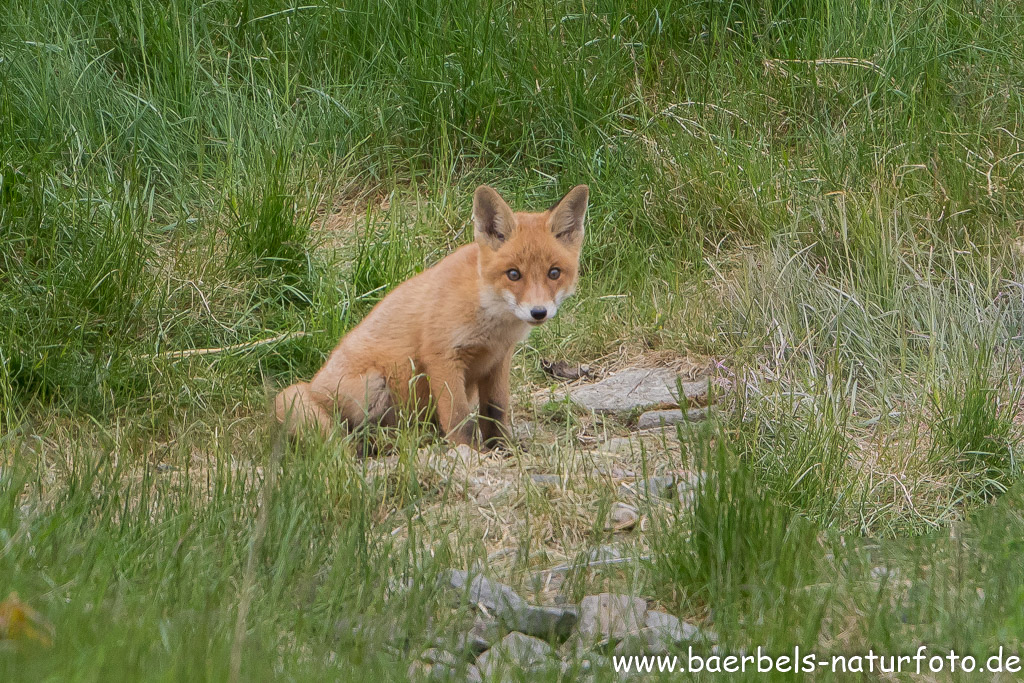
(635, 388)
(515, 650)
(658, 418)
(621, 517)
(609, 616)
(546, 622)
(497, 598)
(503, 602)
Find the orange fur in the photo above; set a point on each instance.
(447, 335)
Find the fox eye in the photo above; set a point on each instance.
(554, 273)
(513, 274)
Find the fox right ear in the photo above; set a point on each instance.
(493, 220)
(566, 219)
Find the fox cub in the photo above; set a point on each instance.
(446, 336)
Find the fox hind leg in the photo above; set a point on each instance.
(354, 400)
(363, 399)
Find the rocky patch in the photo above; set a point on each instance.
(637, 388)
(606, 623)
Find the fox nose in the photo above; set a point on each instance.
(539, 312)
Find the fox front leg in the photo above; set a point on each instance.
(494, 402)
(448, 390)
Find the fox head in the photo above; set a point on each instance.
(529, 262)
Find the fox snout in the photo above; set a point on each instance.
(534, 313)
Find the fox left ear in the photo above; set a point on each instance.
(566, 220)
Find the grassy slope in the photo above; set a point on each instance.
(824, 198)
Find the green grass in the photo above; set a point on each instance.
(821, 200)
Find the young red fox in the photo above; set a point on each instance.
(448, 334)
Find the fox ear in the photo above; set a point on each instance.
(493, 221)
(567, 215)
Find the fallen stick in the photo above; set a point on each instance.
(562, 568)
(244, 346)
